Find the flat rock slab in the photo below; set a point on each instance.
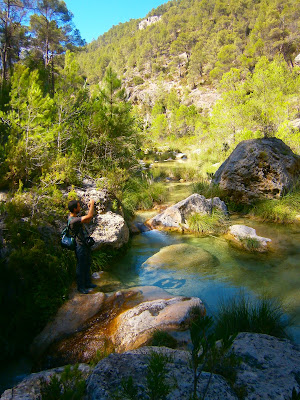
(176, 215)
(182, 256)
(134, 327)
(30, 387)
(105, 381)
(270, 367)
(68, 319)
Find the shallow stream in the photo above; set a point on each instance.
(276, 274)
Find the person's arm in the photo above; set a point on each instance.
(87, 218)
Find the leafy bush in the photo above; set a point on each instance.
(34, 280)
(70, 386)
(261, 316)
(208, 190)
(142, 194)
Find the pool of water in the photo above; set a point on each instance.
(276, 274)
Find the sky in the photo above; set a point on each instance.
(95, 17)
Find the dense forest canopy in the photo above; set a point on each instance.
(55, 113)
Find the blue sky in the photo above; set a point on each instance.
(94, 17)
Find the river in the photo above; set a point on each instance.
(276, 274)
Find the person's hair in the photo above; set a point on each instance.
(72, 205)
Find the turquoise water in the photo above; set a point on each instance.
(276, 274)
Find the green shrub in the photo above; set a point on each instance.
(137, 80)
(70, 386)
(261, 316)
(34, 279)
(209, 190)
(141, 194)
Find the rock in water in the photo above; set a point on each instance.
(176, 216)
(258, 168)
(248, 238)
(182, 256)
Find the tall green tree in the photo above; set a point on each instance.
(29, 122)
(52, 33)
(114, 136)
(12, 34)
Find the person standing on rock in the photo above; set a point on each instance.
(82, 250)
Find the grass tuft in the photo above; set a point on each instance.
(215, 222)
(261, 316)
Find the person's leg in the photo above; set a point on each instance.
(80, 268)
(88, 279)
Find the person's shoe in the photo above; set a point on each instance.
(91, 286)
(83, 291)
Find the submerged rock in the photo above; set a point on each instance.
(176, 215)
(182, 256)
(248, 238)
(258, 168)
(135, 327)
(105, 381)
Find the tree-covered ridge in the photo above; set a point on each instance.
(215, 35)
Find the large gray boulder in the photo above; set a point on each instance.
(106, 378)
(270, 367)
(258, 168)
(176, 215)
(108, 227)
(134, 327)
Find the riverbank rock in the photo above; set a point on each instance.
(110, 229)
(270, 367)
(30, 387)
(247, 238)
(176, 215)
(134, 327)
(258, 168)
(105, 380)
(70, 317)
(182, 256)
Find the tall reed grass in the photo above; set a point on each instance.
(240, 314)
